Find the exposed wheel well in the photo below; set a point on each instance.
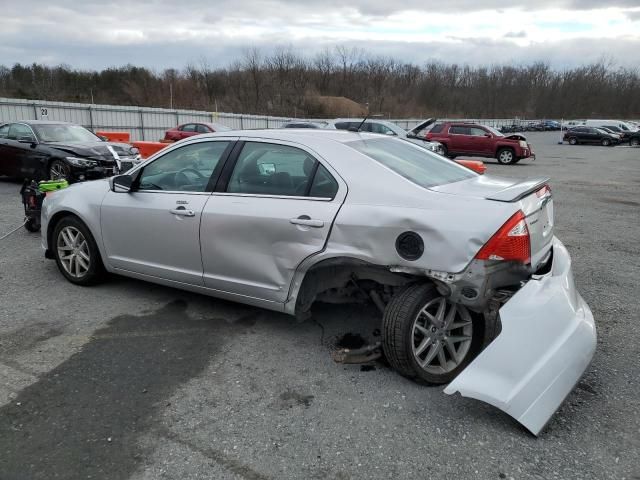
(349, 280)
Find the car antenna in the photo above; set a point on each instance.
(362, 122)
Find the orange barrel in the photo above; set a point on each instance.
(123, 137)
(148, 148)
(475, 165)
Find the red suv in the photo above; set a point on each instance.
(471, 139)
(190, 129)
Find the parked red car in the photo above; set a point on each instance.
(190, 129)
(471, 139)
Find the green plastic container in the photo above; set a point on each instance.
(52, 185)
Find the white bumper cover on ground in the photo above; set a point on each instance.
(547, 341)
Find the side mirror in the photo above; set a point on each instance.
(121, 184)
(26, 139)
(488, 135)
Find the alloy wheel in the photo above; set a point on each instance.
(73, 251)
(442, 333)
(58, 171)
(506, 156)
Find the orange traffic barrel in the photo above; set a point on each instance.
(148, 148)
(123, 137)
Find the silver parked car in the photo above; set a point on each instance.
(384, 127)
(283, 218)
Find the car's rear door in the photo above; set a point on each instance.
(274, 206)
(155, 229)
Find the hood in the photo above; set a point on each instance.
(516, 136)
(421, 126)
(95, 150)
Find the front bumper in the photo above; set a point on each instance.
(547, 341)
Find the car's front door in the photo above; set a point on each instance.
(154, 230)
(22, 158)
(459, 139)
(7, 166)
(275, 210)
(480, 142)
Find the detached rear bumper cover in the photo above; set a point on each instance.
(547, 341)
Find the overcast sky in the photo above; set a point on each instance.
(162, 33)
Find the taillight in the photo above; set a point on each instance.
(510, 242)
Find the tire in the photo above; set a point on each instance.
(605, 142)
(573, 141)
(32, 225)
(59, 170)
(444, 150)
(85, 267)
(402, 329)
(634, 142)
(506, 156)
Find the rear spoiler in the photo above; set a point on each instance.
(519, 190)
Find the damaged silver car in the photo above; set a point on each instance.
(281, 219)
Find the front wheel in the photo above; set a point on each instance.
(427, 338)
(58, 170)
(506, 156)
(76, 252)
(634, 142)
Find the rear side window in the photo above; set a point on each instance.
(271, 169)
(414, 163)
(324, 185)
(189, 127)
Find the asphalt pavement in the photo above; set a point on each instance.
(130, 380)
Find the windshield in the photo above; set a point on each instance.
(497, 133)
(414, 163)
(53, 133)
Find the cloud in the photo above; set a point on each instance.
(520, 34)
(96, 34)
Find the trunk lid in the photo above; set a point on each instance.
(530, 196)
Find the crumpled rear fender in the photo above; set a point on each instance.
(547, 341)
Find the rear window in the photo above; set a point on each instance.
(437, 128)
(413, 162)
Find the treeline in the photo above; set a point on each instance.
(287, 83)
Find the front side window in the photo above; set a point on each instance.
(271, 169)
(478, 132)
(202, 129)
(414, 163)
(185, 169)
(4, 131)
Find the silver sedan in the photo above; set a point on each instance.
(281, 219)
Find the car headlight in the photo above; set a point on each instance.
(81, 162)
(523, 144)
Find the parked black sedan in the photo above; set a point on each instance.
(51, 150)
(592, 135)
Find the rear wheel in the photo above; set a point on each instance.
(573, 141)
(506, 156)
(606, 142)
(427, 338)
(76, 252)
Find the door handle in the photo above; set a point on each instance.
(183, 212)
(306, 221)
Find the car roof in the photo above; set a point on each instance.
(40, 122)
(300, 135)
